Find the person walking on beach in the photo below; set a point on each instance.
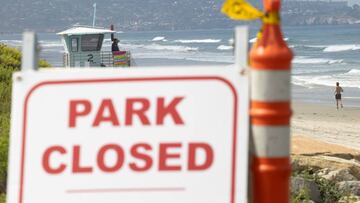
(337, 92)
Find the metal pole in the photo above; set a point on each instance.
(112, 34)
(94, 5)
(30, 53)
(242, 65)
(241, 47)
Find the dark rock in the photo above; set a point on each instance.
(298, 184)
(351, 186)
(340, 175)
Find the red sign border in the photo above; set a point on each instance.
(142, 79)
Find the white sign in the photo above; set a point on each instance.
(136, 135)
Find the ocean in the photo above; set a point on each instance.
(324, 55)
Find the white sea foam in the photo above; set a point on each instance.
(193, 41)
(253, 40)
(224, 47)
(44, 44)
(159, 38)
(311, 81)
(336, 61)
(127, 46)
(50, 44)
(316, 46)
(304, 60)
(348, 79)
(130, 46)
(157, 54)
(153, 46)
(170, 48)
(342, 47)
(353, 72)
(211, 59)
(204, 57)
(53, 50)
(311, 70)
(11, 42)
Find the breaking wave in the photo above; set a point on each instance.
(159, 38)
(336, 61)
(50, 44)
(12, 42)
(343, 47)
(348, 79)
(353, 72)
(224, 47)
(193, 41)
(253, 40)
(231, 41)
(211, 59)
(316, 46)
(170, 48)
(153, 46)
(206, 57)
(304, 60)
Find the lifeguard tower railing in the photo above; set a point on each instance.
(98, 59)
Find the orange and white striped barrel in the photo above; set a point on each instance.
(270, 61)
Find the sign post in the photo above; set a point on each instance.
(30, 52)
(129, 135)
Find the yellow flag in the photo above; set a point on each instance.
(241, 10)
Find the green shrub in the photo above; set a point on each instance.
(10, 61)
(329, 192)
(302, 197)
(44, 64)
(2, 198)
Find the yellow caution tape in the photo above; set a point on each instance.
(259, 34)
(271, 18)
(241, 10)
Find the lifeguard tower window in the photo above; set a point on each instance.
(74, 44)
(92, 42)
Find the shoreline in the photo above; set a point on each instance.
(324, 123)
(324, 95)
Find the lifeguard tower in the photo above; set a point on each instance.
(83, 48)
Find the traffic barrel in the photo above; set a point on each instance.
(270, 112)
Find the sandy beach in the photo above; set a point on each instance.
(322, 128)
